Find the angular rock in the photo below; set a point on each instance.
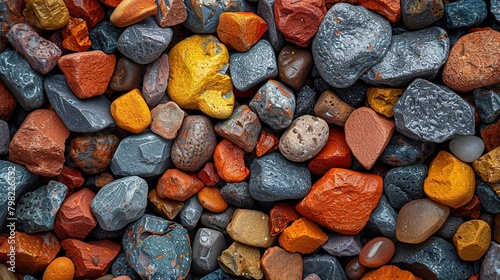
(417, 15)
(465, 13)
(390, 9)
(488, 197)
(401, 151)
(208, 244)
(487, 103)
(332, 109)
(382, 100)
(281, 216)
(238, 195)
(490, 268)
(154, 84)
(403, 184)
(352, 95)
(472, 239)
(170, 12)
(340, 245)
(304, 103)
(191, 213)
(127, 75)
(104, 36)
(325, 266)
(229, 162)
(241, 260)
(383, 220)
(75, 35)
(93, 153)
(131, 112)
(90, 11)
(335, 153)
(250, 227)
(167, 119)
(277, 263)
(240, 30)
(242, 128)
(217, 221)
(166, 207)
(49, 16)
(265, 9)
(487, 167)
(75, 219)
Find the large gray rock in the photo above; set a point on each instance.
(383, 220)
(208, 245)
(490, 266)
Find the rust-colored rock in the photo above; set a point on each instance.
(129, 12)
(390, 9)
(111, 3)
(335, 153)
(267, 143)
(39, 143)
(7, 102)
(93, 152)
(177, 185)
(89, 10)
(75, 219)
(229, 161)
(471, 209)
(474, 61)
(166, 119)
(330, 3)
(389, 272)
(294, 66)
(166, 207)
(71, 177)
(277, 264)
(302, 236)
(76, 35)
(240, 30)
(332, 109)
(170, 12)
(490, 135)
(281, 216)
(342, 200)
(208, 175)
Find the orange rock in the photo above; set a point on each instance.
(211, 199)
(490, 135)
(91, 11)
(280, 216)
(76, 35)
(335, 153)
(240, 30)
(342, 200)
(131, 112)
(168, 208)
(302, 236)
(277, 264)
(208, 175)
(129, 12)
(75, 219)
(388, 272)
(177, 185)
(228, 159)
(390, 9)
(111, 3)
(61, 268)
(267, 143)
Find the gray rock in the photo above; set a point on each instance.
(36, 210)
(487, 103)
(104, 36)
(218, 274)
(146, 155)
(465, 13)
(350, 40)
(120, 267)
(4, 137)
(434, 113)
(217, 221)
(490, 266)
(254, 66)
(488, 197)
(340, 245)
(383, 219)
(208, 244)
(353, 95)
(325, 266)
(238, 195)
(191, 213)
(401, 151)
(450, 226)
(306, 99)
(274, 178)
(265, 9)
(404, 184)
(418, 54)
(120, 202)
(155, 80)
(79, 115)
(23, 82)
(144, 42)
(495, 9)
(100, 234)
(420, 14)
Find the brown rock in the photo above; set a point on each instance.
(390, 9)
(250, 227)
(330, 3)
(76, 35)
(111, 3)
(39, 143)
(294, 65)
(471, 209)
(46, 14)
(166, 207)
(177, 185)
(93, 152)
(75, 219)
(332, 109)
(490, 135)
(474, 61)
(129, 12)
(89, 10)
(71, 177)
(279, 264)
(154, 84)
(127, 75)
(487, 167)
(170, 12)
(241, 260)
(167, 119)
(7, 102)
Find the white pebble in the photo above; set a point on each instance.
(467, 148)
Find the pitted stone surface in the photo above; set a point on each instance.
(487, 103)
(305, 101)
(104, 36)
(340, 245)
(121, 267)
(238, 195)
(383, 219)
(436, 114)
(403, 184)
(350, 40)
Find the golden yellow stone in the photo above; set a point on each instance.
(46, 14)
(488, 166)
(131, 112)
(449, 181)
(241, 260)
(198, 78)
(472, 240)
(382, 100)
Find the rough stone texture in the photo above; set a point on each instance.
(488, 197)
(87, 115)
(75, 218)
(7, 102)
(418, 54)
(120, 202)
(120, 267)
(104, 36)
(403, 184)
(401, 151)
(437, 114)
(191, 213)
(241, 260)
(332, 109)
(325, 266)
(448, 229)
(382, 99)
(240, 30)
(472, 239)
(250, 227)
(229, 162)
(155, 80)
(353, 95)
(465, 13)
(417, 15)
(100, 234)
(345, 45)
(383, 219)
(170, 12)
(487, 103)
(495, 9)
(48, 15)
(130, 112)
(208, 244)
(217, 221)
(265, 9)
(390, 9)
(178, 185)
(22, 81)
(238, 195)
(127, 75)
(166, 119)
(278, 264)
(146, 155)
(242, 128)
(473, 61)
(92, 153)
(90, 11)
(487, 167)
(75, 35)
(340, 245)
(490, 267)
(159, 243)
(168, 208)
(4, 137)
(305, 100)
(281, 216)
(489, 134)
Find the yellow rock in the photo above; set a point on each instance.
(131, 112)
(46, 14)
(472, 240)
(382, 100)
(449, 181)
(488, 166)
(198, 78)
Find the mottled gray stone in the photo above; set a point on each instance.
(23, 82)
(237, 194)
(78, 115)
(217, 221)
(383, 219)
(274, 178)
(420, 14)
(155, 80)
(495, 9)
(434, 258)
(120, 267)
(465, 13)
(450, 226)
(146, 155)
(104, 36)
(254, 66)
(490, 265)
(325, 266)
(265, 9)
(487, 103)
(191, 213)
(305, 101)
(404, 184)
(208, 245)
(349, 41)
(434, 113)
(340, 245)
(36, 210)
(144, 42)
(418, 54)
(401, 151)
(488, 197)
(4, 137)
(120, 202)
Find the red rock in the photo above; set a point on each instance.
(71, 177)
(208, 175)
(166, 119)
(93, 152)
(111, 3)
(299, 20)
(170, 12)
(89, 10)
(177, 185)
(330, 3)
(39, 143)
(390, 9)
(335, 153)
(76, 35)
(7, 102)
(240, 30)
(87, 73)
(471, 209)
(75, 219)
(281, 216)
(474, 277)
(342, 200)
(91, 259)
(229, 162)
(491, 136)
(277, 264)
(267, 143)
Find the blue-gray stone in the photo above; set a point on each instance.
(238, 195)
(36, 210)
(325, 266)
(217, 221)
(120, 202)
(254, 66)
(120, 267)
(104, 36)
(265, 9)
(15, 181)
(495, 9)
(350, 40)
(208, 245)
(490, 266)
(434, 113)
(191, 213)
(23, 82)
(434, 258)
(218, 274)
(383, 220)
(78, 115)
(450, 226)
(340, 245)
(101, 234)
(487, 103)
(145, 41)
(274, 178)
(305, 101)
(404, 184)
(151, 237)
(420, 14)
(401, 151)
(146, 155)
(488, 197)
(418, 54)
(4, 137)
(465, 13)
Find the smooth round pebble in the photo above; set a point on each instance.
(61, 268)
(467, 148)
(377, 252)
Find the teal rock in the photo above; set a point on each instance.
(487, 103)
(120, 267)
(490, 201)
(401, 151)
(465, 13)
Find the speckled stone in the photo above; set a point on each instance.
(208, 244)
(160, 244)
(108, 204)
(305, 100)
(238, 195)
(383, 219)
(345, 45)
(490, 267)
(488, 197)
(265, 9)
(191, 213)
(438, 114)
(340, 245)
(241, 260)
(332, 109)
(93, 152)
(121, 267)
(104, 36)
(242, 128)
(79, 115)
(467, 148)
(418, 54)
(154, 84)
(4, 137)
(127, 75)
(487, 103)
(170, 12)
(22, 81)
(145, 41)
(403, 184)
(218, 274)
(417, 15)
(36, 210)
(250, 227)
(217, 221)
(273, 178)
(325, 266)
(449, 227)
(465, 13)
(401, 151)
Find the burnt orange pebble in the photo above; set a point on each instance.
(228, 159)
(389, 272)
(302, 236)
(335, 153)
(129, 12)
(76, 35)
(267, 143)
(208, 175)
(61, 268)
(211, 199)
(177, 185)
(240, 30)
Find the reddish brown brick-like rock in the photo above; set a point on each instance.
(89, 10)
(240, 30)
(267, 143)
(490, 135)
(390, 9)
(76, 35)
(75, 218)
(170, 12)
(242, 128)
(7, 102)
(93, 152)
(71, 177)
(177, 185)
(281, 216)
(277, 263)
(229, 161)
(208, 175)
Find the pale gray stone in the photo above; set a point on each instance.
(208, 245)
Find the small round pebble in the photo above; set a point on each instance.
(61, 268)
(377, 252)
(467, 148)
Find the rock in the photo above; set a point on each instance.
(170, 13)
(240, 30)
(241, 260)
(250, 227)
(389, 272)
(166, 120)
(129, 12)
(46, 15)
(489, 134)
(155, 80)
(6, 274)
(488, 166)
(266, 144)
(354, 270)
(335, 153)
(76, 35)
(8, 102)
(100, 234)
(60, 268)
(108, 204)
(104, 37)
(191, 213)
(217, 221)
(242, 128)
(238, 195)
(390, 9)
(208, 175)
(377, 252)
(4, 137)
(75, 219)
(230, 163)
(208, 245)
(450, 226)
(131, 112)
(487, 103)
(281, 216)
(93, 153)
(352, 95)
(465, 13)
(403, 184)
(211, 199)
(312, 276)
(218, 274)
(302, 236)
(467, 148)
(432, 104)
(166, 207)
(490, 268)
(383, 219)
(177, 185)
(495, 9)
(382, 100)
(419, 15)
(348, 32)
(340, 245)
(127, 75)
(121, 267)
(277, 263)
(332, 109)
(490, 201)
(325, 266)
(294, 65)
(304, 103)
(401, 151)
(472, 240)
(265, 9)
